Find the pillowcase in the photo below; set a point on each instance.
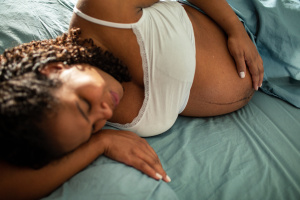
(24, 21)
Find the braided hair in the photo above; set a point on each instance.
(26, 95)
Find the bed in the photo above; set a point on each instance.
(253, 153)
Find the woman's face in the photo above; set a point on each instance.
(87, 100)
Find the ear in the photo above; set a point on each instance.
(53, 68)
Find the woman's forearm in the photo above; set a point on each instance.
(221, 13)
(26, 183)
(122, 146)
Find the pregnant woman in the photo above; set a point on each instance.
(134, 65)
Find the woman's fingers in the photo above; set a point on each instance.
(150, 149)
(132, 150)
(255, 66)
(148, 164)
(246, 56)
(261, 70)
(155, 163)
(240, 64)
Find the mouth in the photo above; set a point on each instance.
(115, 98)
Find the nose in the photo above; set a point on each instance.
(106, 110)
(102, 114)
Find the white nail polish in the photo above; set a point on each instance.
(168, 179)
(242, 74)
(158, 176)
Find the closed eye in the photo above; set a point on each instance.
(89, 107)
(83, 114)
(93, 128)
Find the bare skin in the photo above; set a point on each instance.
(217, 87)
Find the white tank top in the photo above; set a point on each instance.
(167, 43)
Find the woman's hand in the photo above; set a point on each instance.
(239, 44)
(245, 55)
(132, 150)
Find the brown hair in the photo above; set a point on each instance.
(26, 94)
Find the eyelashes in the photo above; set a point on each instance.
(93, 128)
(89, 108)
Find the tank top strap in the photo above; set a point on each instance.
(102, 22)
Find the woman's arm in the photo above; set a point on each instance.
(240, 46)
(27, 183)
(123, 146)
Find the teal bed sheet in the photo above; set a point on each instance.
(253, 153)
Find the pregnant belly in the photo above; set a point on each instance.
(217, 88)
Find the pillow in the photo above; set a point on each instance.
(24, 21)
(111, 180)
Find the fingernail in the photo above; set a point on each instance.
(242, 74)
(256, 88)
(168, 179)
(260, 85)
(158, 176)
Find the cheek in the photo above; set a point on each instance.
(73, 138)
(69, 134)
(71, 142)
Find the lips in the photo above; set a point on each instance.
(115, 98)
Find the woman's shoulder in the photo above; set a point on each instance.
(119, 11)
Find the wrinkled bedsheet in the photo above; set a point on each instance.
(253, 153)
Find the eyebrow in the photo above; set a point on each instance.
(82, 113)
